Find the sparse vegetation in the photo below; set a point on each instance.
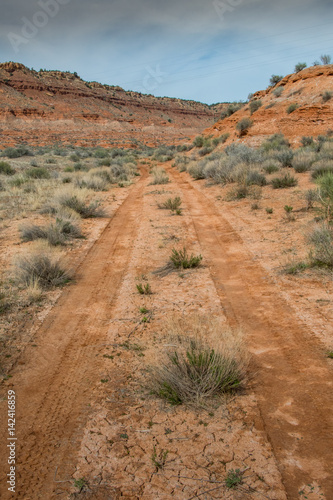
(172, 204)
(327, 96)
(285, 181)
(159, 176)
(6, 168)
(244, 125)
(321, 241)
(325, 59)
(300, 66)
(275, 79)
(181, 259)
(254, 106)
(194, 371)
(278, 91)
(234, 478)
(292, 107)
(42, 267)
(144, 289)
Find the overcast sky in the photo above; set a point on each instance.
(206, 50)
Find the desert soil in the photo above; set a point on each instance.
(85, 411)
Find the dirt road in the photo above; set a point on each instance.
(55, 375)
(292, 380)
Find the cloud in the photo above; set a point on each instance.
(211, 50)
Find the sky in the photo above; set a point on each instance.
(206, 50)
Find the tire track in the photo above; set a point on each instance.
(293, 381)
(56, 380)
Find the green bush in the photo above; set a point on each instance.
(307, 141)
(275, 79)
(327, 96)
(320, 168)
(181, 259)
(325, 193)
(285, 181)
(17, 152)
(37, 173)
(278, 91)
(325, 59)
(171, 204)
(41, 268)
(292, 107)
(198, 141)
(244, 125)
(321, 241)
(6, 168)
(254, 106)
(193, 372)
(300, 66)
(276, 141)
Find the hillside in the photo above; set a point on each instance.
(54, 106)
(309, 90)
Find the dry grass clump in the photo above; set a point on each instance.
(41, 266)
(321, 241)
(203, 360)
(93, 182)
(6, 168)
(303, 161)
(75, 200)
(159, 176)
(56, 233)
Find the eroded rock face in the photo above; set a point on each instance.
(48, 106)
(313, 114)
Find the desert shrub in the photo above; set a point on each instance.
(80, 167)
(205, 361)
(271, 166)
(284, 156)
(205, 151)
(197, 170)
(307, 141)
(325, 193)
(75, 157)
(325, 59)
(278, 91)
(119, 172)
(159, 176)
(76, 202)
(244, 125)
(327, 96)
(172, 204)
(37, 173)
(303, 161)
(101, 153)
(232, 108)
(198, 141)
(93, 182)
(254, 106)
(321, 241)
(104, 162)
(32, 232)
(6, 168)
(292, 107)
(300, 66)
(275, 79)
(104, 174)
(254, 177)
(181, 259)
(276, 141)
(17, 181)
(310, 196)
(321, 167)
(50, 161)
(17, 152)
(144, 289)
(42, 267)
(284, 181)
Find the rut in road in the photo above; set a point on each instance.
(55, 380)
(292, 380)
